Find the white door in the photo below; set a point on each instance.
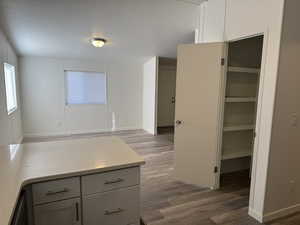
(199, 92)
(166, 97)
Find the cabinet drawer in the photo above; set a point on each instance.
(119, 207)
(55, 190)
(102, 182)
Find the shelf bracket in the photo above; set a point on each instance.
(216, 169)
(223, 61)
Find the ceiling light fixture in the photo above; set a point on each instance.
(98, 42)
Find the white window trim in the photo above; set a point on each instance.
(12, 110)
(84, 104)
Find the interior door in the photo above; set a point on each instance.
(199, 92)
(166, 97)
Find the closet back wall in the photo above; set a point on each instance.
(43, 96)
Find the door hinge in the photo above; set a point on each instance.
(223, 61)
(215, 169)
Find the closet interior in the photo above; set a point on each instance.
(240, 103)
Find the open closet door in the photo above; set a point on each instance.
(199, 91)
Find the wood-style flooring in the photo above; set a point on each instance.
(166, 201)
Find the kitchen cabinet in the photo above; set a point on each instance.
(66, 212)
(119, 207)
(107, 198)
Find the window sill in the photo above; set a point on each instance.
(85, 104)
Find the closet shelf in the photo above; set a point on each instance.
(240, 99)
(244, 70)
(227, 128)
(236, 154)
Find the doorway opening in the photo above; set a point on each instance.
(240, 109)
(166, 90)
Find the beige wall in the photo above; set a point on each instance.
(283, 184)
(10, 125)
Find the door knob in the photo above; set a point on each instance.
(178, 122)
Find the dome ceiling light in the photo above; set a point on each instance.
(98, 42)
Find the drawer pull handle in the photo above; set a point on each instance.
(57, 192)
(77, 211)
(114, 181)
(107, 212)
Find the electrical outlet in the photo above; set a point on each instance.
(292, 186)
(294, 120)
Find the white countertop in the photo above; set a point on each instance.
(33, 162)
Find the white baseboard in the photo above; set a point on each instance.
(255, 215)
(274, 215)
(281, 213)
(126, 128)
(59, 134)
(42, 135)
(78, 132)
(20, 141)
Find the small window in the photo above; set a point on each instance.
(10, 88)
(85, 87)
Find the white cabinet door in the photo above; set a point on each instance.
(199, 92)
(119, 207)
(66, 212)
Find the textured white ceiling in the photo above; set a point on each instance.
(133, 28)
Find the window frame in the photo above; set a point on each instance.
(14, 87)
(84, 104)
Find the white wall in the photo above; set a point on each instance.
(211, 21)
(150, 95)
(246, 18)
(243, 19)
(43, 96)
(10, 125)
(283, 184)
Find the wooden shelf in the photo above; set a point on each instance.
(240, 99)
(243, 70)
(228, 128)
(235, 154)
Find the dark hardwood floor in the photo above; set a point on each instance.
(166, 201)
